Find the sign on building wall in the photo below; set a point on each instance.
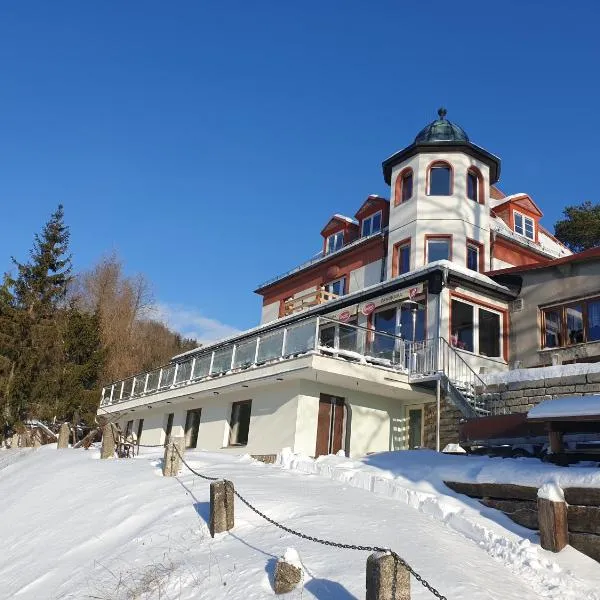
(366, 308)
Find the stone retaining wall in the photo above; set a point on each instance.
(519, 503)
(522, 396)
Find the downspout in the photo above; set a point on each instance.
(438, 384)
(492, 244)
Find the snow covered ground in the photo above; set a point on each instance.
(73, 527)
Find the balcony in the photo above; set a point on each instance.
(318, 335)
(307, 300)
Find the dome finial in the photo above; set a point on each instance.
(442, 112)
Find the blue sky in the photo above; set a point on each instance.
(208, 142)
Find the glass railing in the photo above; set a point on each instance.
(318, 335)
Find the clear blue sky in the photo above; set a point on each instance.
(208, 142)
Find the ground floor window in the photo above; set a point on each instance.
(240, 423)
(572, 323)
(475, 329)
(192, 425)
(140, 428)
(128, 428)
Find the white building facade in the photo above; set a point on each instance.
(376, 344)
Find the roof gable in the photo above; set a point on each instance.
(338, 223)
(371, 204)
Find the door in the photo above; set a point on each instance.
(192, 424)
(415, 428)
(168, 427)
(330, 425)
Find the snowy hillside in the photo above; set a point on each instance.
(74, 527)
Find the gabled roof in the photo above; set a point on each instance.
(521, 199)
(372, 201)
(337, 219)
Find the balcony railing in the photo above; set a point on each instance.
(306, 300)
(420, 360)
(318, 335)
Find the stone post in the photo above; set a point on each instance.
(221, 507)
(171, 459)
(380, 578)
(63, 436)
(108, 441)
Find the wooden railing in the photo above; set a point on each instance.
(306, 300)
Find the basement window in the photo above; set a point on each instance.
(240, 423)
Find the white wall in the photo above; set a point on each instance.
(365, 276)
(454, 215)
(270, 312)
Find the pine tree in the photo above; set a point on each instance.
(580, 229)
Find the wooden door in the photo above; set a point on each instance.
(330, 425)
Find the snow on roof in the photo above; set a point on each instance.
(573, 406)
(539, 373)
(345, 218)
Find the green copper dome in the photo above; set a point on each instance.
(441, 130)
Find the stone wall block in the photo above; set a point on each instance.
(560, 389)
(552, 518)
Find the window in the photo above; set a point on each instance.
(371, 224)
(438, 249)
(407, 186)
(440, 180)
(404, 258)
(524, 226)
(475, 329)
(240, 423)
(192, 425)
(573, 323)
(473, 256)
(391, 324)
(337, 287)
(415, 428)
(404, 187)
(473, 181)
(140, 428)
(169, 426)
(334, 242)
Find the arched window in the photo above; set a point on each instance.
(439, 180)
(475, 185)
(404, 186)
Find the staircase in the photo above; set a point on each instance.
(435, 359)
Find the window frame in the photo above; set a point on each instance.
(437, 164)
(480, 255)
(477, 304)
(405, 243)
(232, 433)
(369, 219)
(480, 188)
(327, 286)
(434, 237)
(399, 187)
(334, 235)
(562, 331)
(525, 218)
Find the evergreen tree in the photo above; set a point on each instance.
(580, 229)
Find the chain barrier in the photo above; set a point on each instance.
(397, 559)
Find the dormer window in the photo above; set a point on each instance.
(439, 180)
(524, 226)
(371, 224)
(474, 187)
(334, 242)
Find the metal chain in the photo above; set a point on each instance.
(397, 559)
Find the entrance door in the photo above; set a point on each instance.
(415, 428)
(330, 425)
(192, 424)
